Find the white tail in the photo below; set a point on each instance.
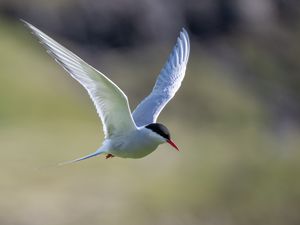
(98, 152)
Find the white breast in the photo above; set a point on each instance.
(136, 144)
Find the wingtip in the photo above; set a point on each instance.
(184, 32)
(25, 22)
(185, 40)
(184, 35)
(29, 26)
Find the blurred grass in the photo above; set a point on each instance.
(231, 170)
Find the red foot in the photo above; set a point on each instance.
(109, 156)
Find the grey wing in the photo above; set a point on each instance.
(111, 103)
(167, 83)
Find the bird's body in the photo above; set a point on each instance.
(135, 144)
(127, 135)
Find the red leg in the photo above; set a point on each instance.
(109, 156)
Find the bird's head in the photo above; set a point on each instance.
(161, 133)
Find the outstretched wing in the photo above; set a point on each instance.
(167, 83)
(111, 103)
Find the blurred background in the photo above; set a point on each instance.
(236, 117)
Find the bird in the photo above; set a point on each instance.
(126, 135)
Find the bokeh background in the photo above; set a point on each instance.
(236, 117)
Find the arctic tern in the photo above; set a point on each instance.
(127, 135)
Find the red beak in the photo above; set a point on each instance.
(173, 144)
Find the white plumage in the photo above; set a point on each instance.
(126, 135)
(167, 83)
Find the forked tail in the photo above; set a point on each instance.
(98, 152)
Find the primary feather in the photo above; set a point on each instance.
(110, 101)
(167, 83)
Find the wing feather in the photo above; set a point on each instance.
(167, 84)
(110, 101)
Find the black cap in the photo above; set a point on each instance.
(159, 129)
